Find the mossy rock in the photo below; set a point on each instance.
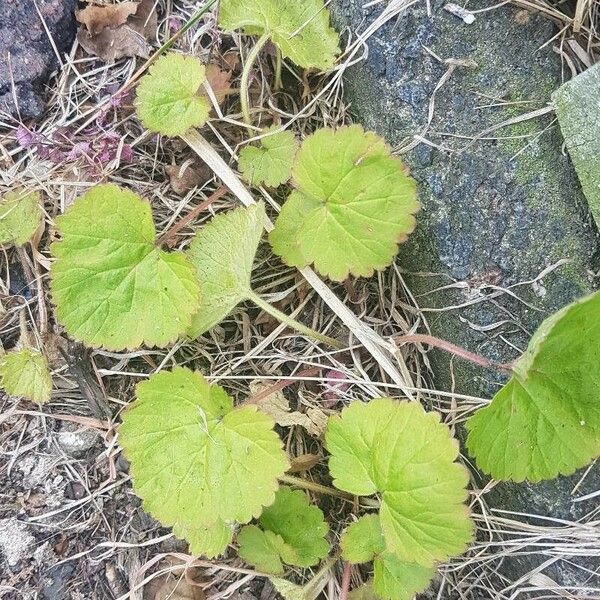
(496, 212)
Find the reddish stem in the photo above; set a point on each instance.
(281, 385)
(169, 235)
(420, 338)
(345, 582)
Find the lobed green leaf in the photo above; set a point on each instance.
(25, 373)
(353, 205)
(112, 286)
(300, 28)
(199, 464)
(270, 163)
(20, 216)
(407, 455)
(168, 99)
(546, 420)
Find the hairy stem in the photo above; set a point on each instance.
(278, 69)
(311, 486)
(345, 587)
(419, 338)
(245, 82)
(292, 323)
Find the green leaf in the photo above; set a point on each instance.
(111, 285)
(223, 253)
(294, 533)
(168, 99)
(363, 540)
(394, 579)
(262, 549)
(300, 28)
(364, 592)
(407, 455)
(25, 373)
(270, 163)
(300, 524)
(291, 591)
(196, 461)
(546, 420)
(20, 216)
(353, 205)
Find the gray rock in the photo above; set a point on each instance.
(577, 103)
(55, 583)
(27, 57)
(496, 212)
(76, 441)
(16, 543)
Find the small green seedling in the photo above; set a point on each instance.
(353, 204)
(223, 253)
(270, 163)
(290, 531)
(169, 99)
(199, 464)
(24, 373)
(300, 29)
(546, 420)
(20, 216)
(408, 457)
(112, 286)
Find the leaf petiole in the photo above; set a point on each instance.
(311, 486)
(245, 81)
(278, 69)
(419, 338)
(292, 323)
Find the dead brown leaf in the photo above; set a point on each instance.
(219, 81)
(276, 405)
(304, 462)
(231, 60)
(129, 38)
(187, 176)
(96, 18)
(174, 585)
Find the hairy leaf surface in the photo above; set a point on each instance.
(112, 286)
(20, 216)
(353, 205)
(198, 463)
(223, 253)
(393, 578)
(293, 532)
(25, 373)
(407, 455)
(168, 99)
(300, 28)
(270, 163)
(546, 420)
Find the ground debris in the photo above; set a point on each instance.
(116, 31)
(277, 405)
(16, 542)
